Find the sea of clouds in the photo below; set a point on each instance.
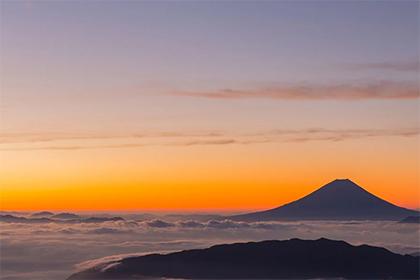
(54, 250)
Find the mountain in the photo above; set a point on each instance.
(337, 200)
(23, 220)
(43, 214)
(411, 220)
(294, 258)
(65, 216)
(101, 219)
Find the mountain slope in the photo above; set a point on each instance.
(411, 220)
(337, 200)
(293, 258)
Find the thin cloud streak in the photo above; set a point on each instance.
(125, 146)
(272, 136)
(342, 92)
(319, 134)
(408, 66)
(26, 137)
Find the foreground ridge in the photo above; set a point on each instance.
(294, 258)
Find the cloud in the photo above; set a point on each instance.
(107, 230)
(186, 143)
(37, 137)
(227, 224)
(205, 142)
(191, 224)
(407, 66)
(247, 138)
(355, 91)
(230, 224)
(334, 135)
(159, 224)
(51, 251)
(103, 261)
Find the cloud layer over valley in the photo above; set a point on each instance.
(53, 250)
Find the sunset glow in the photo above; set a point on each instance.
(99, 111)
(205, 177)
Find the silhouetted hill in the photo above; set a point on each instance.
(337, 200)
(43, 214)
(195, 217)
(101, 219)
(16, 219)
(293, 258)
(65, 216)
(411, 220)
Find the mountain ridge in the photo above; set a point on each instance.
(23, 220)
(293, 258)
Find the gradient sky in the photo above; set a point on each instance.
(124, 105)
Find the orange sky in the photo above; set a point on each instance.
(205, 177)
(210, 105)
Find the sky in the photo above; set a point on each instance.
(187, 105)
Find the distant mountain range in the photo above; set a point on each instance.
(53, 219)
(292, 258)
(21, 220)
(65, 216)
(337, 200)
(43, 214)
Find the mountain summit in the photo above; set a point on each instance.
(341, 199)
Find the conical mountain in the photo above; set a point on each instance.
(340, 199)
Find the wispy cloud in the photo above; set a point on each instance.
(321, 134)
(128, 145)
(356, 91)
(407, 66)
(34, 137)
(198, 139)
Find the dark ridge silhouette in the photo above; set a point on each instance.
(15, 219)
(43, 214)
(15, 213)
(337, 200)
(22, 220)
(65, 216)
(411, 220)
(195, 217)
(294, 258)
(101, 219)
